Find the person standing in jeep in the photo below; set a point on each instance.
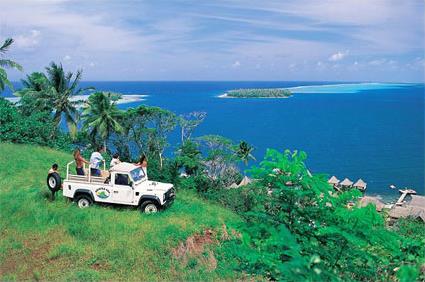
(95, 161)
(79, 162)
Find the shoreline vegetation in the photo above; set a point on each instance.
(257, 93)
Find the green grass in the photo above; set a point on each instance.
(45, 240)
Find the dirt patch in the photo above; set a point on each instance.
(195, 244)
(98, 266)
(196, 248)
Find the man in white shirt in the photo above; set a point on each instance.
(115, 160)
(95, 161)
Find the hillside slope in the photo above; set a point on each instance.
(44, 240)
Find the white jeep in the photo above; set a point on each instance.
(124, 183)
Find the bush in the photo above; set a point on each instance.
(240, 200)
(38, 128)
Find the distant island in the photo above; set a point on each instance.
(257, 93)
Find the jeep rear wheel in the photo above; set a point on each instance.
(83, 201)
(149, 207)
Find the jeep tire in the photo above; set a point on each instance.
(54, 182)
(149, 207)
(83, 201)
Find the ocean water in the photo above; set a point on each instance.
(373, 131)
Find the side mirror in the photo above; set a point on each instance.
(130, 184)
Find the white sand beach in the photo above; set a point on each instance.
(125, 99)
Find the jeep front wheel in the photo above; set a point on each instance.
(83, 201)
(148, 207)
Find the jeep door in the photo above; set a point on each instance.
(122, 191)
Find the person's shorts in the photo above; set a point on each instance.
(80, 171)
(95, 171)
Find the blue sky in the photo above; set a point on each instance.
(351, 40)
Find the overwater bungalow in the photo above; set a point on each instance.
(347, 183)
(333, 181)
(360, 184)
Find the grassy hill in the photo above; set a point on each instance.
(44, 240)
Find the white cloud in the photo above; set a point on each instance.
(127, 35)
(377, 62)
(338, 56)
(28, 40)
(67, 58)
(236, 64)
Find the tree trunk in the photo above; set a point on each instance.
(160, 160)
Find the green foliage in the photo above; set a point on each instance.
(101, 117)
(144, 131)
(219, 154)
(54, 90)
(323, 239)
(259, 93)
(37, 128)
(244, 152)
(36, 94)
(188, 123)
(189, 158)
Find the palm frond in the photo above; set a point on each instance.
(77, 79)
(6, 45)
(10, 64)
(4, 81)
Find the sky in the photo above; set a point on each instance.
(304, 40)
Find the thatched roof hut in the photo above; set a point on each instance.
(407, 211)
(360, 184)
(346, 182)
(245, 181)
(234, 185)
(417, 201)
(333, 180)
(366, 200)
(414, 208)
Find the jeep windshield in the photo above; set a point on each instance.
(137, 174)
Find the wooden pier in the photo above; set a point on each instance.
(404, 193)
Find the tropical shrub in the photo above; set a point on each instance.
(37, 128)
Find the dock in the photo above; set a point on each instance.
(404, 193)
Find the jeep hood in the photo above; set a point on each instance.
(159, 186)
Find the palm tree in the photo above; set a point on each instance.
(6, 63)
(36, 94)
(244, 152)
(101, 116)
(64, 87)
(57, 91)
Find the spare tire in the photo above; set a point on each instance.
(54, 182)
